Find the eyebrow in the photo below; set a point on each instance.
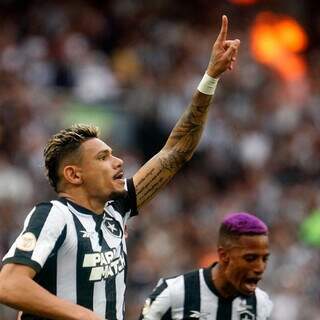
(104, 152)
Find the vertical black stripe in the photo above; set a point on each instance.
(191, 293)
(252, 304)
(84, 286)
(224, 311)
(47, 277)
(111, 305)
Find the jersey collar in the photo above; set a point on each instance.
(78, 208)
(207, 274)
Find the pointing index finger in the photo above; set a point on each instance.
(224, 29)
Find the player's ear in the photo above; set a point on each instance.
(72, 174)
(223, 255)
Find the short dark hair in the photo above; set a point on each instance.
(63, 144)
(239, 224)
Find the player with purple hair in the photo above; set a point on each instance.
(227, 290)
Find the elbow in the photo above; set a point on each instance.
(175, 159)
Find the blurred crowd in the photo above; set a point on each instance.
(131, 68)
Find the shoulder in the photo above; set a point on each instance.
(264, 302)
(45, 213)
(262, 295)
(177, 284)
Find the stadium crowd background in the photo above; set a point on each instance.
(131, 67)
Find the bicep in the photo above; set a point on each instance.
(155, 174)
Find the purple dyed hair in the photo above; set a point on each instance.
(241, 223)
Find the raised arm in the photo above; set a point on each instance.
(186, 134)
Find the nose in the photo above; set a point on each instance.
(259, 267)
(117, 162)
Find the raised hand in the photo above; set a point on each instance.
(224, 52)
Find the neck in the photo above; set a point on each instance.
(94, 205)
(224, 287)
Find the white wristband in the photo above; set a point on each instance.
(208, 84)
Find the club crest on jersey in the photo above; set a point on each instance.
(113, 227)
(244, 311)
(247, 315)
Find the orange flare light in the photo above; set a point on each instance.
(275, 41)
(243, 2)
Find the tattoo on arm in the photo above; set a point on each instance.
(179, 148)
(186, 134)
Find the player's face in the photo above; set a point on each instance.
(247, 261)
(101, 172)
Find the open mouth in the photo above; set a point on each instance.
(251, 284)
(118, 176)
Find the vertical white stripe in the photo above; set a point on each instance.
(89, 226)
(120, 290)
(48, 236)
(235, 309)
(99, 298)
(209, 301)
(177, 294)
(67, 264)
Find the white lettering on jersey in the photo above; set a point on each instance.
(103, 264)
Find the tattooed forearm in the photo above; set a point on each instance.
(146, 178)
(174, 161)
(179, 148)
(186, 134)
(149, 186)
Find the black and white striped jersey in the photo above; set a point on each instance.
(194, 296)
(78, 255)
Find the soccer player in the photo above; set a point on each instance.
(227, 290)
(70, 260)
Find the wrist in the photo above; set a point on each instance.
(208, 84)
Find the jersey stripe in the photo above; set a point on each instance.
(84, 287)
(158, 291)
(224, 311)
(167, 315)
(120, 295)
(67, 266)
(192, 293)
(46, 238)
(111, 313)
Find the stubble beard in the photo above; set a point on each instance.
(116, 195)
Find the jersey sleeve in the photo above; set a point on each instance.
(158, 304)
(44, 228)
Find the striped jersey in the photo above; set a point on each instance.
(78, 255)
(194, 296)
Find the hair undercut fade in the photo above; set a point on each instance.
(63, 144)
(239, 224)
